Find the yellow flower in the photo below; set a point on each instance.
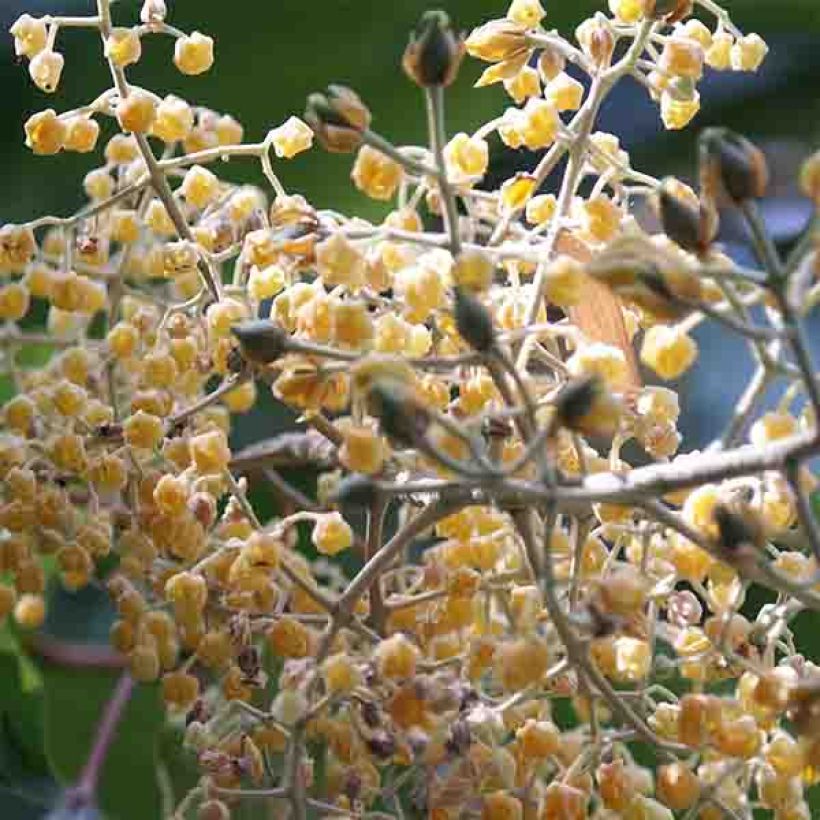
(527, 13)
(291, 138)
(466, 159)
(669, 351)
(123, 47)
(45, 69)
(174, 119)
(516, 191)
(602, 360)
(194, 54)
(677, 112)
(137, 111)
(540, 124)
(375, 174)
(748, 53)
(45, 133)
(565, 92)
(523, 85)
(30, 35)
(331, 534)
(627, 11)
(496, 41)
(200, 187)
(340, 262)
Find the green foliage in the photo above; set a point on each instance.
(73, 702)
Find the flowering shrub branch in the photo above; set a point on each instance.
(533, 563)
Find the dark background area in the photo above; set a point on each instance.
(269, 56)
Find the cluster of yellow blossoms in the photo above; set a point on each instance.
(533, 610)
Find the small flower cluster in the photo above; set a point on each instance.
(544, 608)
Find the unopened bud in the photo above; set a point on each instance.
(473, 321)
(338, 117)
(434, 53)
(260, 340)
(596, 41)
(356, 490)
(731, 167)
(658, 281)
(687, 223)
(738, 528)
(153, 11)
(497, 40)
(400, 416)
(668, 10)
(587, 407)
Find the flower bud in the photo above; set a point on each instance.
(690, 225)
(731, 167)
(338, 117)
(473, 321)
(433, 56)
(496, 41)
(586, 406)
(640, 272)
(670, 11)
(596, 40)
(356, 490)
(738, 528)
(260, 340)
(153, 11)
(400, 417)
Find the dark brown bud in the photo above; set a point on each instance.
(739, 528)
(338, 117)
(586, 406)
(690, 225)
(260, 340)
(434, 53)
(731, 167)
(658, 281)
(401, 417)
(357, 490)
(473, 321)
(668, 10)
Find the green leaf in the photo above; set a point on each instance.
(815, 504)
(74, 701)
(21, 713)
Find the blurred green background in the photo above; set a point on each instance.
(269, 56)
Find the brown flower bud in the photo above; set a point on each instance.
(473, 321)
(731, 167)
(689, 224)
(586, 406)
(338, 117)
(357, 490)
(596, 40)
(739, 528)
(640, 272)
(260, 340)
(668, 10)
(400, 416)
(434, 53)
